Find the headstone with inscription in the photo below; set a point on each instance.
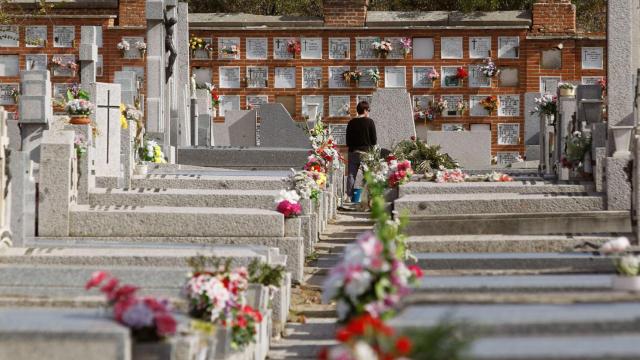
(475, 107)
(339, 106)
(339, 133)
(278, 129)
(35, 62)
(311, 77)
(281, 48)
(254, 101)
(106, 98)
(311, 48)
(421, 77)
(7, 93)
(506, 157)
(508, 47)
(479, 47)
(9, 36)
(339, 48)
(257, 76)
(313, 99)
(257, 48)
(134, 51)
(9, 65)
(365, 80)
(364, 48)
(35, 36)
(592, 58)
(229, 48)
(449, 77)
(64, 69)
(229, 77)
(508, 134)
(336, 80)
(229, 102)
(285, 77)
(392, 112)
(477, 78)
(64, 36)
(509, 105)
(451, 48)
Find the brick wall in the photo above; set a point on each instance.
(132, 13)
(345, 13)
(554, 17)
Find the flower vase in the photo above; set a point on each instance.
(406, 55)
(143, 53)
(564, 174)
(625, 283)
(141, 169)
(622, 139)
(210, 54)
(123, 53)
(434, 83)
(80, 120)
(567, 92)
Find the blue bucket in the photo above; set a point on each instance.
(357, 194)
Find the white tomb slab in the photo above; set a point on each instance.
(311, 48)
(452, 102)
(395, 77)
(257, 48)
(336, 80)
(35, 36)
(451, 48)
(311, 77)
(285, 77)
(421, 77)
(365, 79)
(339, 48)
(423, 48)
(281, 48)
(339, 106)
(106, 98)
(9, 36)
(509, 105)
(592, 58)
(475, 108)
(229, 77)
(5, 93)
(508, 134)
(229, 102)
(313, 99)
(367, 98)
(448, 77)
(364, 49)
(64, 36)
(477, 79)
(254, 101)
(549, 84)
(35, 62)
(9, 65)
(225, 47)
(479, 47)
(508, 47)
(257, 76)
(133, 52)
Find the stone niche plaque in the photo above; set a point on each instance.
(452, 103)
(451, 48)
(395, 77)
(592, 57)
(449, 79)
(423, 48)
(364, 49)
(60, 90)
(9, 36)
(365, 79)
(339, 106)
(226, 45)
(508, 134)
(480, 127)
(9, 65)
(312, 99)
(35, 62)
(551, 59)
(421, 77)
(339, 133)
(139, 70)
(508, 47)
(549, 84)
(203, 75)
(336, 80)
(285, 77)
(281, 48)
(591, 80)
(397, 52)
(509, 77)
(311, 77)
(477, 79)
(35, 36)
(254, 101)
(257, 77)
(64, 71)
(453, 127)
(229, 102)
(479, 47)
(367, 98)
(422, 102)
(257, 48)
(339, 48)
(509, 105)
(311, 48)
(64, 36)
(133, 52)
(229, 77)
(475, 108)
(506, 158)
(5, 93)
(202, 53)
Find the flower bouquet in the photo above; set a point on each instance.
(567, 89)
(451, 175)
(545, 105)
(287, 203)
(142, 48)
(399, 171)
(148, 318)
(433, 75)
(305, 185)
(490, 103)
(15, 94)
(461, 107)
(406, 46)
(79, 110)
(230, 50)
(123, 46)
(350, 76)
(151, 152)
(461, 74)
(578, 144)
(439, 106)
(196, 43)
(80, 145)
(374, 75)
(382, 48)
(294, 47)
(489, 69)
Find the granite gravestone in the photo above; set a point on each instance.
(36, 111)
(238, 129)
(476, 152)
(278, 129)
(205, 117)
(106, 98)
(128, 86)
(392, 113)
(88, 55)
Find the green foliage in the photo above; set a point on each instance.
(442, 342)
(265, 274)
(82, 94)
(424, 158)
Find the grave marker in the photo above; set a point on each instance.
(339, 48)
(475, 108)
(395, 77)
(128, 85)
(257, 48)
(392, 112)
(281, 49)
(452, 102)
(313, 99)
(509, 105)
(35, 36)
(592, 57)
(339, 133)
(107, 99)
(339, 106)
(549, 84)
(364, 49)
(278, 129)
(9, 65)
(9, 36)
(311, 48)
(451, 48)
(477, 78)
(225, 45)
(35, 62)
(423, 48)
(238, 129)
(365, 79)
(229, 102)
(551, 59)
(509, 77)
(508, 134)
(479, 47)
(254, 101)
(311, 77)
(285, 77)
(64, 36)
(257, 76)
(229, 77)
(508, 47)
(421, 77)
(6, 91)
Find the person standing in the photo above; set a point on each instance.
(361, 137)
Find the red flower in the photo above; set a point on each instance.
(323, 354)
(120, 307)
(110, 286)
(241, 321)
(415, 269)
(96, 279)
(289, 209)
(343, 335)
(462, 73)
(165, 324)
(413, 138)
(124, 292)
(391, 158)
(403, 345)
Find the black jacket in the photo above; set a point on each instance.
(361, 134)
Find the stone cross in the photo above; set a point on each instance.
(88, 55)
(106, 97)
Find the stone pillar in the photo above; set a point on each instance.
(128, 152)
(205, 118)
(155, 67)
(58, 188)
(85, 165)
(5, 233)
(36, 110)
(566, 110)
(183, 123)
(88, 56)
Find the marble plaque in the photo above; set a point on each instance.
(257, 48)
(229, 77)
(133, 52)
(365, 79)
(396, 44)
(508, 134)
(479, 47)
(64, 71)
(477, 79)
(395, 77)
(254, 101)
(203, 76)
(339, 106)
(453, 127)
(64, 36)
(228, 43)
(475, 108)
(549, 84)
(339, 133)
(280, 48)
(311, 77)
(448, 77)
(339, 48)
(35, 36)
(139, 70)
(9, 36)
(202, 53)
(551, 59)
(285, 78)
(312, 99)
(229, 102)
(451, 48)
(591, 80)
(257, 76)
(480, 127)
(35, 62)
(336, 80)
(5, 93)
(422, 102)
(421, 77)
(364, 49)
(508, 77)
(452, 103)
(60, 90)
(423, 48)
(509, 105)
(367, 98)
(592, 57)
(100, 66)
(311, 48)
(506, 158)
(508, 47)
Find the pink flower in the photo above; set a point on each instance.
(417, 272)
(289, 209)
(110, 286)
(165, 323)
(96, 279)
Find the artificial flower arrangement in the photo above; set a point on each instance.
(325, 155)
(451, 175)
(399, 171)
(57, 61)
(461, 107)
(15, 94)
(578, 144)
(492, 177)
(546, 105)
(406, 46)
(123, 46)
(230, 50)
(287, 203)
(490, 103)
(294, 47)
(567, 89)
(489, 69)
(461, 73)
(148, 318)
(218, 297)
(150, 151)
(73, 66)
(439, 106)
(305, 185)
(374, 75)
(433, 75)
(141, 46)
(79, 107)
(75, 92)
(382, 48)
(349, 76)
(367, 337)
(215, 97)
(80, 145)
(196, 43)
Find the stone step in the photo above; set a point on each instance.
(557, 262)
(218, 198)
(173, 221)
(315, 310)
(243, 157)
(570, 222)
(495, 203)
(196, 181)
(525, 319)
(330, 247)
(519, 187)
(500, 243)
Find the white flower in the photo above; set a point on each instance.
(359, 282)
(362, 351)
(289, 195)
(339, 352)
(615, 246)
(629, 265)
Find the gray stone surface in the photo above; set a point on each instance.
(127, 154)
(278, 129)
(618, 184)
(22, 193)
(182, 86)
(244, 158)
(598, 174)
(107, 99)
(194, 181)
(391, 111)
(531, 121)
(567, 107)
(476, 152)
(444, 18)
(128, 81)
(242, 20)
(516, 283)
(520, 187)
(85, 164)
(238, 129)
(88, 55)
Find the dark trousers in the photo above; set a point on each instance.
(354, 166)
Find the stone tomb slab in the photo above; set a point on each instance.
(392, 112)
(475, 154)
(516, 283)
(238, 129)
(107, 99)
(278, 129)
(244, 158)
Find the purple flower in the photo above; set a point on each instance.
(138, 316)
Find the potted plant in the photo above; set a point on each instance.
(382, 48)
(123, 46)
(79, 111)
(567, 89)
(406, 46)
